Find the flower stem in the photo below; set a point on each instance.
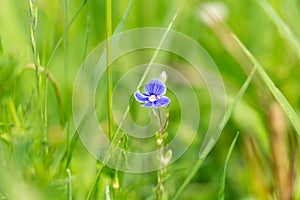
(160, 146)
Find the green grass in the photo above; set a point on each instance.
(43, 44)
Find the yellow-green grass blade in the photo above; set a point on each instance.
(284, 29)
(289, 111)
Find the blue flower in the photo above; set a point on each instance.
(153, 96)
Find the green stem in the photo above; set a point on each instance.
(42, 101)
(69, 186)
(95, 183)
(33, 28)
(109, 86)
(109, 68)
(160, 147)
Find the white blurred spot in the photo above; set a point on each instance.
(213, 12)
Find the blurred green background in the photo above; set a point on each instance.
(32, 168)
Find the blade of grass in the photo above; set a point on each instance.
(231, 109)
(222, 185)
(283, 28)
(72, 143)
(289, 111)
(64, 33)
(228, 114)
(122, 23)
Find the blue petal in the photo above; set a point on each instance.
(142, 98)
(149, 104)
(155, 87)
(162, 102)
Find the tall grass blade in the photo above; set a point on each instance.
(284, 29)
(65, 33)
(228, 115)
(289, 111)
(238, 97)
(222, 185)
(122, 23)
(72, 143)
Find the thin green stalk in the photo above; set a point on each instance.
(46, 113)
(160, 145)
(42, 101)
(108, 20)
(109, 68)
(72, 143)
(33, 27)
(65, 33)
(66, 41)
(94, 183)
(69, 186)
(66, 65)
(223, 179)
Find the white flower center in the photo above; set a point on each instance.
(152, 98)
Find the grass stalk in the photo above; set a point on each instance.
(41, 100)
(69, 186)
(160, 146)
(33, 27)
(74, 140)
(65, 32)
(108, 21)
(91, 191)
(223, 178)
